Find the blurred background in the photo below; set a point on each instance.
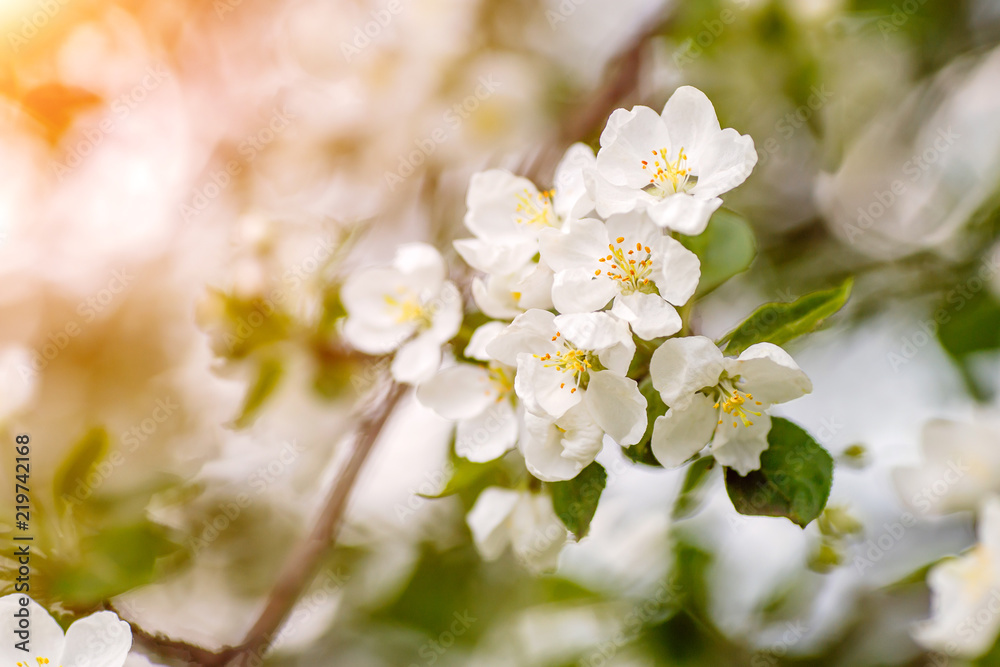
(184, 185)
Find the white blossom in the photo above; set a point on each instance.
(480, 398)
(628, 259)
(673, 165)
(98, 640)
(408, 307)
(720, 399)
(523, 520)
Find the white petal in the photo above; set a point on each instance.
(45, 640)
(496, 257)
(629, 138)
(494, 297)
(677, 270)
(481, 337)
(681, 433)
(770, 374)
(682, 366)
(724, 163)
(544, 390)
(459, 392)
(691, 120)
(988, 525)
(488, 435)
(545, 446)
(446, 313)
(740, 447)
(582, 245)
(634, 226)
(610, 199)
(99, 639)
(571, 191)
(364, 295)
(580, 291)
(532, 287)
(530, 331)
(373, 339)
(488, 520)
(417, 360)
(537, 534)
(492, 199)
(684, 213)
(649, 315)
(617, 406)
(423, 267)
(597, 332)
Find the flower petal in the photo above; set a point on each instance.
(537, 534)
(532, 287)
(676, 271)
(492, 201)
(682, 366)
(494, 297)
(724, 163)
(684, 213)
(554, 454)
(571, 198)
(740, 447)
(692, 122)
(581, 246)
(461, 391)
(488, 520)
(544, 390)
(617, 406)
(46, 640)
(99, 639)
(446, 313)
(494, 257)
(530, 331)
(770, 374)
(481, 337)
(488, 435)
(422, 266)
(580, 291)
(681, 433)
(602, 333)
(376, 340)
(649, 315)
(629, 138)
(417, 360)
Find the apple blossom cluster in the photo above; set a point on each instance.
(588, 286)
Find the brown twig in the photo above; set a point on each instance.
(302, 566)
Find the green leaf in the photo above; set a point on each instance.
(793, 481)
(71, 476)
(967, 327)
(779, 323)
(655, 407)
(692, 492)
(726, 248)
(112, 562)
(268, 377)
(466, 475)
(575, 500)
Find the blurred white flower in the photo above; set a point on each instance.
(961, 465)
(99, 640)
(673, 165)
(409, 307)
(479, 398)
(628, 259)
(571, 378)
(709, 395)
(523, 520)
(965, 594)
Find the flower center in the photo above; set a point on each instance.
(501, 379)
(40, 661)
(570, 360)
(730, 401)
(668, 177)
(631, 267)
(535, 208)
(407, 308)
